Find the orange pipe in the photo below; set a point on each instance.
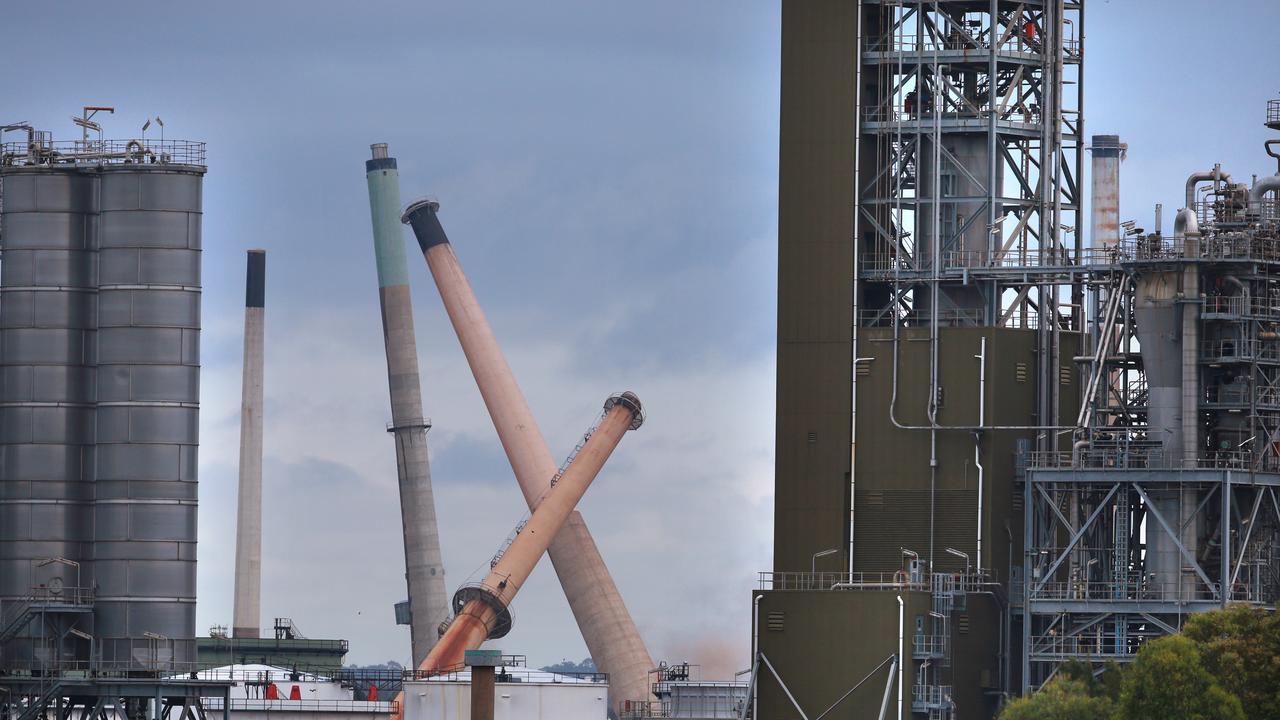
(485, 615)
(607, 627)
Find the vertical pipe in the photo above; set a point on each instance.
(483, 684)
(977, 437)
(248, 579)
(424, 568)
(607, 628)
(902, 611)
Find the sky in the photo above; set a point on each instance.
(608, 176)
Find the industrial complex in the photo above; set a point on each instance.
(1012, 429)
(1011, 432)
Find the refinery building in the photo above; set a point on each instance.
(1012, 431)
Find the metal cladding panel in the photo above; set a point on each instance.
(47, 352)
(46, 231)
(133, 266)
(815, 281)
(48, 190)
(820, 642)
(147, 407)
(162, 383)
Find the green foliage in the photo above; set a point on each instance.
(1240, 646)
(1062, 699)
(1169, 680)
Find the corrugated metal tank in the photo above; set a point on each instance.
(48, 312)
(148, 409)
(101, 395)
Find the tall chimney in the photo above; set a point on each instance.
(1108, 151)
(248, 581)
(424, 571)
(607, 627)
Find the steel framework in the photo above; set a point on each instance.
(968, 184)
(1146, 521)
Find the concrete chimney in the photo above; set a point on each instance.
(484, 612)
(607, 627)
(424, 570)
(248, 578)
(1108, 151)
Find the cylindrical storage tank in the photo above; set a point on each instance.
(47, 345)
(147, 412)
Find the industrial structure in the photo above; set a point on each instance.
(1002, 442)
(428, 605)
(247, 605)
(607, 627)
(100, 329)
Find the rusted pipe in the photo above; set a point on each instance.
(607, 627)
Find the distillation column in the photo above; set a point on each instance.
(607, 628)
(247, 611)
(424, 570)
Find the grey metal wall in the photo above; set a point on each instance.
(47, 315)
(148, 408)
(99, 348)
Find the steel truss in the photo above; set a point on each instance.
(967, 97)
(1090, 594)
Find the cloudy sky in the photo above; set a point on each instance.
(608, 174)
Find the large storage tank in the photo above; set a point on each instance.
(99, 352)
(48, 311)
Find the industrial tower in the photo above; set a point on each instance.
(1000, 447)
(931, 297)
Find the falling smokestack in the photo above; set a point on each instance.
(248, 579)
(424, 571)
(606, 625)
(484, 608)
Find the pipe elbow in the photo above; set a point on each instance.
(1186, 223)
(1261, 188)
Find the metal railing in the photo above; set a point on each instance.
(683, 708)
(929, 646)
(253, 704)
(106, 152)
(1273, 111)
(1243, 350)
(1140, 458)
(931, 696)
(1171, 592)
(902, 579)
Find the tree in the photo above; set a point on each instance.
(1062, 699)
(1240, 646)
(1169, 680)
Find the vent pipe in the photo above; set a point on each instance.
(248, 578)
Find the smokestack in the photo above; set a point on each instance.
(607, 627)
(485, 607)
(248, 579)
(424, 570)
(1108, 151)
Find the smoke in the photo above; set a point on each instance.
(718, 657)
